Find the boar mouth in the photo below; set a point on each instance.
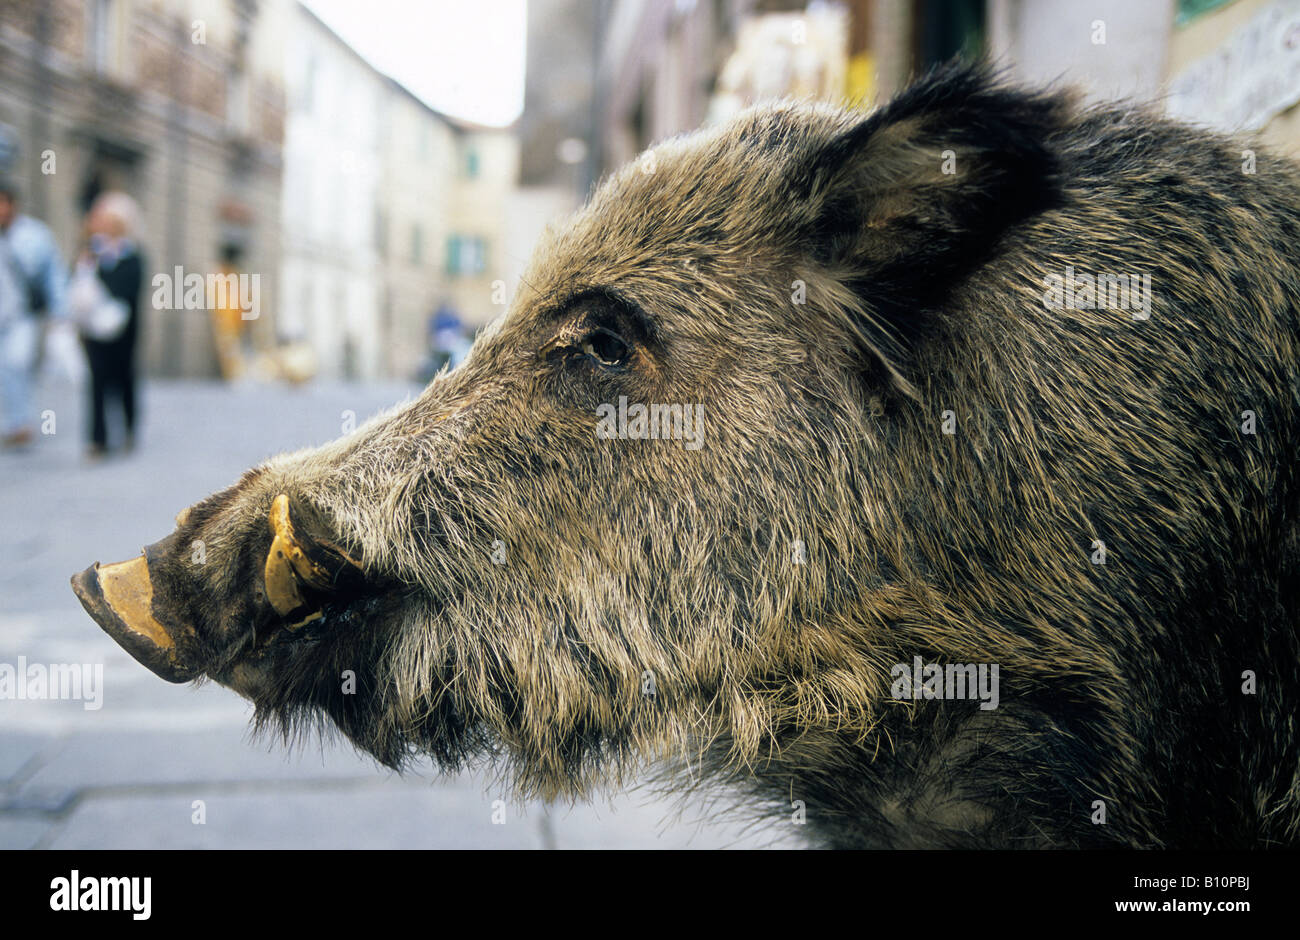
(302, 578)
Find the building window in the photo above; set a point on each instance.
(471, 164)
(466, 255)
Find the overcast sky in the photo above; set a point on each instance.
(463, 57)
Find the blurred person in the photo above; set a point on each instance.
(31, 288)
(228, 323)
(448, 344)
(104, 297)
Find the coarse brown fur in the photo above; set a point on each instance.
(576, 606)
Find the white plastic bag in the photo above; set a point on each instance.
(98, 315)
(64, 360)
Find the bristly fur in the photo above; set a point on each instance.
(650, 607)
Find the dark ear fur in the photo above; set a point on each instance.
(889, 221)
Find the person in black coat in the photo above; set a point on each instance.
(110, 343)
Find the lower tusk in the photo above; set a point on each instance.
(287, 565)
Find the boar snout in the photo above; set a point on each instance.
(136, 604)
(120, 598)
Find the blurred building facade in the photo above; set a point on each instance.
(558, 144)
(179, 103)
(556, 128)
(391, 210)
(412, 223)
(248, 124)
(667, 66)
(477, 254)
(333, 150)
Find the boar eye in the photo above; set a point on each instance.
(605, 348)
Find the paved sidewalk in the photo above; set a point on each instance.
(140, 770)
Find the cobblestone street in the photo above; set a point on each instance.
(128, 774)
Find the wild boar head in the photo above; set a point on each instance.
(499, 567)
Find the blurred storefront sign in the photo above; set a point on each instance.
(1252, 76)
(1189, 10)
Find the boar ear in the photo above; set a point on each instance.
(917, 194)
(302, 570)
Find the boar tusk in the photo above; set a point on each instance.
(290, 567)
(310, 618)
(287, 565)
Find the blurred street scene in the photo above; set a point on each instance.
(263, 218)
(257, 141)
